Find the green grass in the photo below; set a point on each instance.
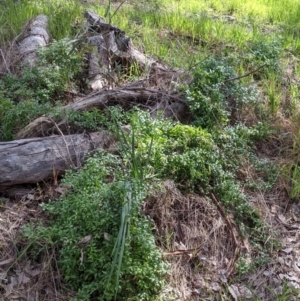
(62, 15)
(187, 22)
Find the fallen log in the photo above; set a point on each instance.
(34, 160)
(35, 35)
(114, 45)
(23, 49)
(170, 104)
(111, 48)
(113, 53)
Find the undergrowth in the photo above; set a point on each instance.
(36, 90)
(215, 97)
(119, 258)
(107, 194)
(201, 161)
(104, 209)
(105, 245)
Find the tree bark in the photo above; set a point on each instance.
(114, 45)
(22, 50)
(34, 160)
(34, 36)
(113, 53)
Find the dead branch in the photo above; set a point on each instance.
(245, 75)
(172, 105)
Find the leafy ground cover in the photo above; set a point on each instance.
(204, 210)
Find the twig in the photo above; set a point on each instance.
(194, 250)
(158, 92)
(117, 9)
(4, 60)
(193, 66)
(180, 252)
(230, 266)
(245, 75)
(63, 137)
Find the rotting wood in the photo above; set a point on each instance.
(23, 49)
(114, 45)
(113, 52)
(171, 105)
(34, 160)
(34, 36)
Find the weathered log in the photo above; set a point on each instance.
(171, 105)
(22, 50)
(35, 160)
(111, 48)
(34, 36)
(115, 42)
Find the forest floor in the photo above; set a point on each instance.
(212, 253)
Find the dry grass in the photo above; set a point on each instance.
(196, 241)
(21, 277)
(280, 216)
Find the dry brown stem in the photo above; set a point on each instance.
(233, 232)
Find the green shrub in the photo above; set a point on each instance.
(267, 52)
(65, 57)
(211, 98)
(57, 66)
(38, 84)
(96, 120)
(198, 160)
(100, 192)
(37, 89)
(88, 120)
(13, 117)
